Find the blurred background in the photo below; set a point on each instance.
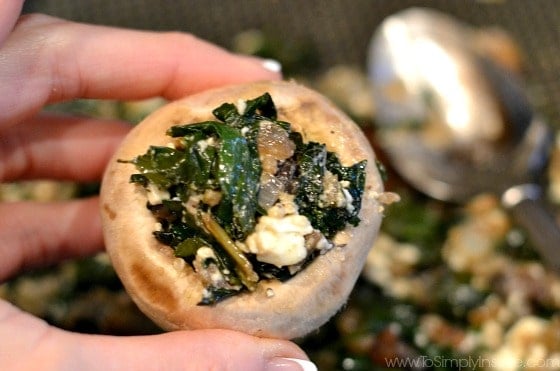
(334, 31)
(447, 286)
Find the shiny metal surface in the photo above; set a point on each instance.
(454, 123)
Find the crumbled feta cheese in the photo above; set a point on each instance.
(191, 205)
(348, 200)
(204, 253)
(280, 241)
(316, 240)
(241, 106)
(203, 144)
(323, 244)
(210, 273)
(285, 206)
(156, 195)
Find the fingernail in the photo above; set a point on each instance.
(272, 65)
(290, 364)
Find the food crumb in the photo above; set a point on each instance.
(269, 293)
(384, 199)
(388, 198)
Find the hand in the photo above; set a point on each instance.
(45, 60)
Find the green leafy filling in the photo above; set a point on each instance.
(222, 156)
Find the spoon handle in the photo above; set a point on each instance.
(542, 228)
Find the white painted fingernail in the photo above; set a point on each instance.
(290, 364)
(272, 65)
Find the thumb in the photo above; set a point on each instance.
(29, 343)
(189, 350)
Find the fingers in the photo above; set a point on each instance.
(55, 147)
(190, 350)
(39, 234)
(37, 343)
(47, 59)
(9, 12)
(59, 147)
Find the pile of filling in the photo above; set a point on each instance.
(244, 198)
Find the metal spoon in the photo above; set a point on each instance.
(455, 124)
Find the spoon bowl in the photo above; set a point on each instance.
(456, 124)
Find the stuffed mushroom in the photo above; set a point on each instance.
(248, 207)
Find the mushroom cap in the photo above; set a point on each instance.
(167, 289)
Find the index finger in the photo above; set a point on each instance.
(47, 59)
(9, 11)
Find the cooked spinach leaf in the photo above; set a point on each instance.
(216, 294)
(158, 166)
(355, 175)
(188, 247)
(313, 160)
(236, 170)
(254, 110)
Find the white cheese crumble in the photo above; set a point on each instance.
(204, 253)
(283, 237)
(156, 195)
(349, 200)
(285, 206)
(211, 274)
(241, 106)
(323, 244)
(203, 144)
(280, 241)
(191, 205)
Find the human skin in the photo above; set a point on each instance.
(46, 60)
